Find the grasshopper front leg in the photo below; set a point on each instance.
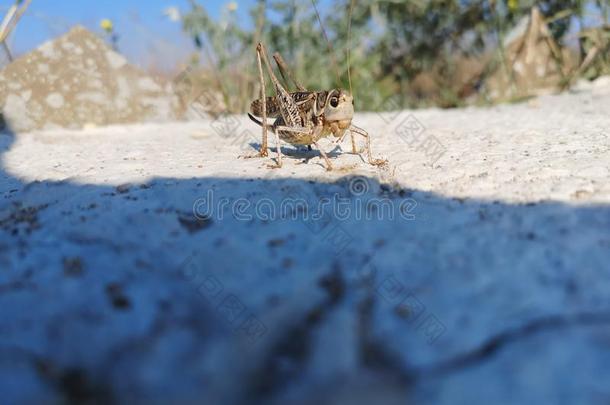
(329, 166)
(353, 139)
(371, 160)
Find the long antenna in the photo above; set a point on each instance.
(330, 47)
(349, 45)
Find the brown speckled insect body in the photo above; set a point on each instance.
(303, 117)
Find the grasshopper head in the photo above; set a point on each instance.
(339, 108)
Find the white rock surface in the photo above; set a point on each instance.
(492, 285)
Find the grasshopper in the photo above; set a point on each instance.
(303, 117)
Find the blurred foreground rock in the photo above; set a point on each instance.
(76, 81)
(150, 261)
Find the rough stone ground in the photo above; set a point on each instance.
(491, 284)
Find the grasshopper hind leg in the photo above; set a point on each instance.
(263, 149)
(260, 54)
(279, 149)
(286, 72)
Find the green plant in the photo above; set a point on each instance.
(393, 43)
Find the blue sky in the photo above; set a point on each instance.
(148, 38)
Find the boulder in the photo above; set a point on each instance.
(77, 80)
